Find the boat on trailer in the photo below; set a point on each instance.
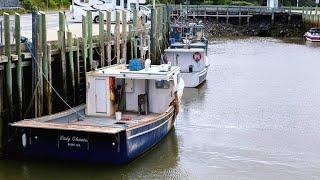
(313, 35)
(188, 50)
(126, 113)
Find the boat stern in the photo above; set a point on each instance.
(72, 145)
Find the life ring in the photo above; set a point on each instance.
(179, 29)
(197, 56)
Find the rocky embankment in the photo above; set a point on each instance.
(221, 29)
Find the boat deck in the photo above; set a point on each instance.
(70, 121)
(129, 119)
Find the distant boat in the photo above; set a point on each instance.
(188, 50)
(313, 35)
(127, 112)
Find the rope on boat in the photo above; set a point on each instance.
(28, 44)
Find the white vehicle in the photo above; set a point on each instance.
(79, 8)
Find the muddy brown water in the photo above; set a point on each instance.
(256, 117)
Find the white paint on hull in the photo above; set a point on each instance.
(194, 79)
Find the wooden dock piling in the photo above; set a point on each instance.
(84, 47)
(19, 65)
(239, 20)
(1, 114)
(101, 39)
(124, 35)
(45, 64)
(130, 37)
(77, 70)
(49, 95)
(8, 71)
(217, 15)
(153, 35)
(272, 16)
(62, 49)
(70, 65)
(117, 36)
(90, 40)
(108, 24)
(227, 17)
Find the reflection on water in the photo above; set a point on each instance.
(256, 117)
(313, 44)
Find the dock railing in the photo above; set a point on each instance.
(200, 10)
(311, 15)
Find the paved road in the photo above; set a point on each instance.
(52, 26)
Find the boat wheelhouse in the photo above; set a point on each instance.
(313, 35)
(127, 112)
(188, 50)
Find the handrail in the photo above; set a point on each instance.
(232, 8)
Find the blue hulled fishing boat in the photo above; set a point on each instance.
(127, 112)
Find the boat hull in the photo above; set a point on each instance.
(312, 38)
(194, 79)
(118, 148)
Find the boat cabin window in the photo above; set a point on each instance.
(143, 8)
(162, 84)
(84, 1)
(118, 3)
(132, 6)
(315, 31)
(198, 32)
(125, 5)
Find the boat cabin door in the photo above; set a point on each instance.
(101, 95)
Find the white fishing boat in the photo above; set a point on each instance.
(188, 50)
(313, 35)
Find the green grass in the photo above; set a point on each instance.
(27, 6)
(20, 11)
(31, 5)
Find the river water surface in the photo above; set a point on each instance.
(256, 117)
